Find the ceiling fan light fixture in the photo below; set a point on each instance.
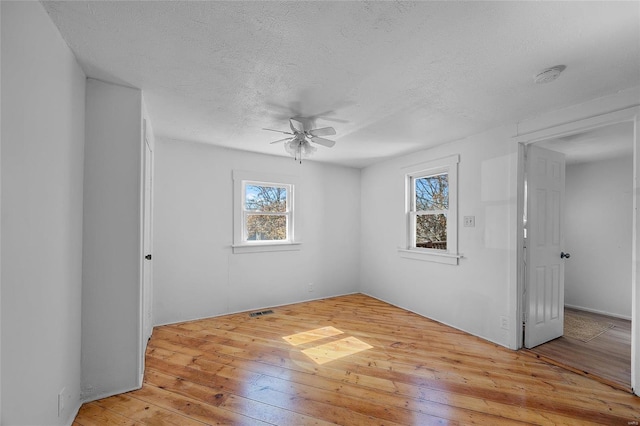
(299, 144)
(548, 75)
(299, 149)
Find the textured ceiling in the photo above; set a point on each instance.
(602, 143)
(391, 77)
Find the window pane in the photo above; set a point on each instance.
(265, 198)
(432, 192)
(266, 227)
(431, 231)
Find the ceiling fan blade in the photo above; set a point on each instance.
(281, 140)
(322, 141)
(298, 127)
(325, 131)
(279, 131)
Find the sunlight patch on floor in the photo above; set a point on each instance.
(335, 350)
(312, 335)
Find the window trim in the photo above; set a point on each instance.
(408, 250)
(240, 244)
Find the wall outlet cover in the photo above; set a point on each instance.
(504, 323)
(61, 397)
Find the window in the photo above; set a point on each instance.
(431, 211)
(264, 212)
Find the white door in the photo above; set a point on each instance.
(544, 288)
(147, 278)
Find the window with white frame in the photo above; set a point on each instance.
(263, 212)
(431, 211)
(266, 211)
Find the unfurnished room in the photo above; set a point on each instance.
(319, 212)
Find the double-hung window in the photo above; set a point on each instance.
(431, 211)
(263, 212)
(266, 212)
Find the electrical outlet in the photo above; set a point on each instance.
(61, 397)
(310, 287)
(470, 221)
(504, 323)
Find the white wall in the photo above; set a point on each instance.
(111, 240)
(473, 295)
(43, 100)
(598, 225)
(195, 272)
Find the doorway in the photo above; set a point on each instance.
(571, 133)
(598, 225)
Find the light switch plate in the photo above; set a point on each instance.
(470, 221)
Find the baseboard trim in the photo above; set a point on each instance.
(258, 308)
(596, 311)
(74, 414)
(91, 398)
(442, 322)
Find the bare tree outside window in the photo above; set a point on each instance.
(266, 208)
(431, 205)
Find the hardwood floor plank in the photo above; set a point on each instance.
(264, 394)
(192, 408)
(144, 412)
(454, 376)
(95, 415)
(231, 402)
(548, 388)
(607, 357)
(368, 387)
(241, 370)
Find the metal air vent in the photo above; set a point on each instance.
(261, 313)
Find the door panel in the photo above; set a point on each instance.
(544, 289)
(147, 282)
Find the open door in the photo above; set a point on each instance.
(147, 271)
(544, 282)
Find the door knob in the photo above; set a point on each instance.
(148, 257)
(564, 255)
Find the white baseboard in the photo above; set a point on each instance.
(259, 308)
(596, 311)
(442, 322)
(94, 397)
(74, 414)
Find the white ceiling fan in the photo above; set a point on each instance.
(299, 141)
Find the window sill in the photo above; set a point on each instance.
(429, 256)
(264, 247)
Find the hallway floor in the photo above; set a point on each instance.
(606, 358)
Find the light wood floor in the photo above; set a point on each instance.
(241, 370)
(606, 358)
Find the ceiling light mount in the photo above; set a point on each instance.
(549, 74)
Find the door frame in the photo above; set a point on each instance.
(632, 115)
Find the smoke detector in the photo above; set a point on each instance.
(548, 75)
